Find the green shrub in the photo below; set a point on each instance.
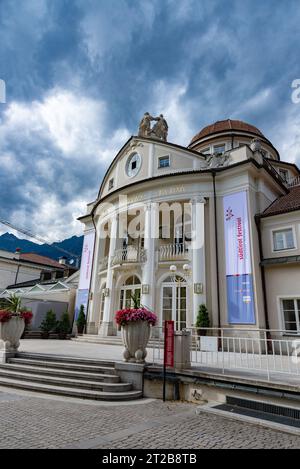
(81, 320)
(50, 322)
(64, 325)
(202, 317)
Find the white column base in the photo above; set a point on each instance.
(106, 329)
(5, 355)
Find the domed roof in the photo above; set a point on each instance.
(227, 125)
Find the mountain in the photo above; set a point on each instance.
(10, 242)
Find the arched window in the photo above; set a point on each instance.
(131, 287)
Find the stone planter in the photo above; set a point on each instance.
(10, 334)
(135, 337)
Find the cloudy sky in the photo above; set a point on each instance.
(80, 74)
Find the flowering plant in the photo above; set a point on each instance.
(125, 316)
(6, 315)
(11, 307)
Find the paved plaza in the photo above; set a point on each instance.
(32, 420)
(35, 421)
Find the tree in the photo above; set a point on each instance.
(202, 320)
(81, 320)
(63, 326)
(48, 324)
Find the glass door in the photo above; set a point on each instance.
(174, 304)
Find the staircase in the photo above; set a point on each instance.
(66, 376)
(113, 340)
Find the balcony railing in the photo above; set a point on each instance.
(173, 251)
(130, 254)
(293, 182)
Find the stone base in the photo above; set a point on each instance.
(131, 373)
(106, 329)
(5, 355)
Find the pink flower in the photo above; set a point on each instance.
(125, 316)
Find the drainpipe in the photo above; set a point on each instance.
(216, 247)
(263, 276)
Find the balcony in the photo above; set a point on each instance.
(129, 255)
(175, 251)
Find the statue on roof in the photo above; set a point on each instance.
(145, 125)
(158, 131)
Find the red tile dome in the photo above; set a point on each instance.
(227, 125)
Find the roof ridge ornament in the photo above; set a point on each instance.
(159, 131)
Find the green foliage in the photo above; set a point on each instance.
(13, 303)
(50, 322)
(64, 325)
(202, 317)
(81, 320)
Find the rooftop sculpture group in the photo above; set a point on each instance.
(158, 131)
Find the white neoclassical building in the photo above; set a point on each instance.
(182, 226)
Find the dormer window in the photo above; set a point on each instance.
(111, 184)
(219, 149)
(164, 161)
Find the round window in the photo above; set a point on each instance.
(133, 165)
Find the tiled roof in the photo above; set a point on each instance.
(226, 125)
(37, 259)
(286, 203)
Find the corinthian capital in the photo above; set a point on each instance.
(198, 199)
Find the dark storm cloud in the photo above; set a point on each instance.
(80, 73)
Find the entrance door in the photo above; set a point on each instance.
(174, 302)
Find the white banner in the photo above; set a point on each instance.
(238, 257)
(86, 261)
(239, 280)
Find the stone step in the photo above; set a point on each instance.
(63, 373)
(73, 366)
(112, 341)
(65, 359)
(68, 391)
(64, 382)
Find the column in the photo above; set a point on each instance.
(106, 327)
(148, 277)
(198, 254)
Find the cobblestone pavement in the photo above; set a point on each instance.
(33, 421)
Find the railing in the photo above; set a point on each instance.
(173, 251)
(293, 182)
(255, 351)
(128, 255)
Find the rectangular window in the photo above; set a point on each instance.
(283, 239)
(164, 162)
(219, 149)
(291, 314)
(284, 174)
(111, 184)
(205, 151)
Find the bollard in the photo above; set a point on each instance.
(182, 346)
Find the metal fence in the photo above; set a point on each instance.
(226, 349)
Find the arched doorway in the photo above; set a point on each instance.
(131, 287)
(174, 301)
